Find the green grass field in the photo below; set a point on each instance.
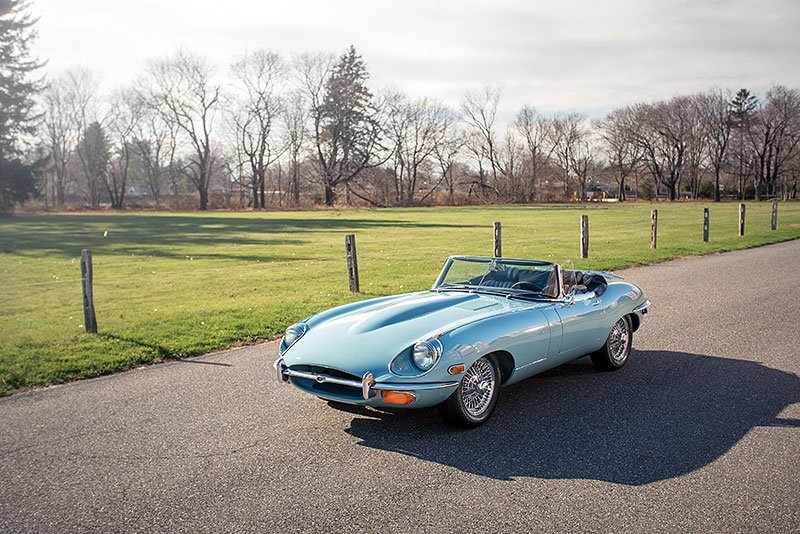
(173, 285)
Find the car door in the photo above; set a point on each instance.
(582, 325)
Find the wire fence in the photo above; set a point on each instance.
(348, 265)
(149, 273)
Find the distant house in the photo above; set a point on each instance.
(597, 191)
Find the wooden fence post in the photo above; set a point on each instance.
(741, 219)
(584, 236)
(498, 240)
(705, 225)
(352, 261)
(653, 228)
(774, 214)
(89, 319)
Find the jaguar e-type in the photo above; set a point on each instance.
(485, 323)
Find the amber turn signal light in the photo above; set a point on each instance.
(456, 369)
(397, 397)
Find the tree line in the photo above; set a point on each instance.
(273, 131)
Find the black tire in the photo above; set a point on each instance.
(471, 389)
(617, 349)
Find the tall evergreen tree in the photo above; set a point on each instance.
(743, 104)
(95, 153)
(17, 90)
(346, 128)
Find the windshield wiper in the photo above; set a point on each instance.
(456, 287)
(528, 294)
(472, 289)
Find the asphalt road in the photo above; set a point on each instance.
(699, 432)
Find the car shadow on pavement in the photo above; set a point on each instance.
(662, 416)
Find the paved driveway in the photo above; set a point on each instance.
(699, 432)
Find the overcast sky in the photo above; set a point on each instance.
(585, 55)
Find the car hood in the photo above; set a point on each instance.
(367, 335)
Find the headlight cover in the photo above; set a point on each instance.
(293, 333)
(426, 353)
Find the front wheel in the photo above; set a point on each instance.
(614, 354)
(473, 402)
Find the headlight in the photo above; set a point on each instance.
(293, 333)
(426, 353)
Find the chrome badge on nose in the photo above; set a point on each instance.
(320, 379)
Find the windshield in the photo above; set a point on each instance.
(499, 275)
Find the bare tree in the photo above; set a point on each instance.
(715, 115)
(447, 153)
(330, 129)
(312, 70)
(295, 121)
(512, 155)
(774, 137)
(662, 131)
(569, 145)
(792, 174)
(476, 148)
(182, 90)
(69, 106)
(480, 112)
(417, 128)
(621, 151)
(534, 130)
(92, 144)
(60, 132)
(122, 122)
(258, 103)
(697, 144)
(156, 145)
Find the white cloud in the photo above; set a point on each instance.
(581, 54)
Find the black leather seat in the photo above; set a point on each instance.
(592, 281)
(502, 277)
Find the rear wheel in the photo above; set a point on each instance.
(473, 402)
(615, 352)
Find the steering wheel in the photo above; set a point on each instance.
(531, 285)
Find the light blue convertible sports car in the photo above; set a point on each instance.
(485, 323)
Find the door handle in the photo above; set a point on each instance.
(596, 302)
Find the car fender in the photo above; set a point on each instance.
(523, 334)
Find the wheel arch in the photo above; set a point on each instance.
(635, 321)
(505, 361)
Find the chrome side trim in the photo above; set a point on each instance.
(528, 364)
(643, 307)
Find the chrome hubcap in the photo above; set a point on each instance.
(478, 387)
(618, 341)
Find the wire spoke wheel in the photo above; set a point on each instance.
(478, 387)
(615, 352)
(475, 398)
(618, 341)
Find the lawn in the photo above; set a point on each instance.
(173, 285)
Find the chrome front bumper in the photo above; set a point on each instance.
(642, 308)
(367, 385)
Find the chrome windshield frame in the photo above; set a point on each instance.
(493, 261)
